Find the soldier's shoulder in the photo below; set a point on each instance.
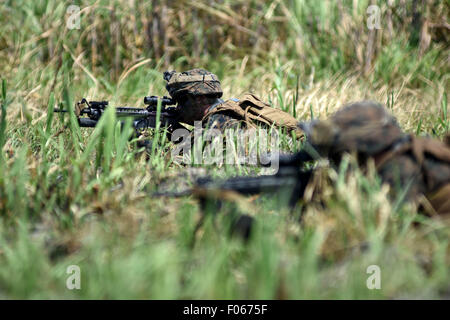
(219, 118)
(221, 121)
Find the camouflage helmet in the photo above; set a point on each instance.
(193, 82)
(364, 127)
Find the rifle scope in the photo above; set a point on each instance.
(153, 101)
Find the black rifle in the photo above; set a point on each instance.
(291, 179)
(143, 118)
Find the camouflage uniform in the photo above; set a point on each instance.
(245, 111)
(419, 166)
(220, 121)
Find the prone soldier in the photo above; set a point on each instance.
(198, 94)
(419, 167)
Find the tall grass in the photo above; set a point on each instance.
(81, 196)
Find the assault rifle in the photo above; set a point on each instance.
(291, 179)
(90, 112)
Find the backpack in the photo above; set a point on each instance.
(251, 110)
(433, 159)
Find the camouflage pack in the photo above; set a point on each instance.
(422, 164)
(249, 109)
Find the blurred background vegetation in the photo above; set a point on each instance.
(320, 39)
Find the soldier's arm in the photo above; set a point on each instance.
(222, 122)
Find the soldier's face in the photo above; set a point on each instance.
(194, 107)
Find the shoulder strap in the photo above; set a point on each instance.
(439, 201)
(435, 201)
(419, 148)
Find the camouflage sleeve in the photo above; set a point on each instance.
(436, 173)
(221, 122)
(404, 176)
